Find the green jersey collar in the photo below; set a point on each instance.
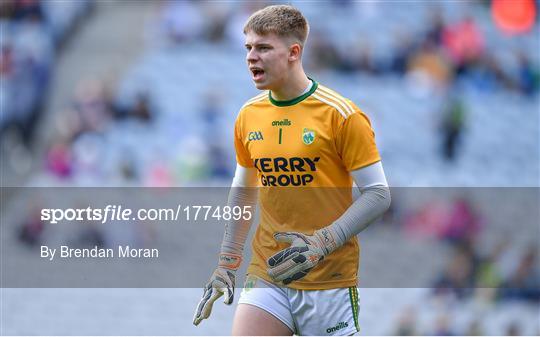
(297, 99)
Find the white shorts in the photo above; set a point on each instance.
(332, 312)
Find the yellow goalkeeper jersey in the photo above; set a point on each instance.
(303, 150)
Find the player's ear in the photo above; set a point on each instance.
(295, 52)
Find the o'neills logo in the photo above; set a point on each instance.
(284, 122)
(341, 325)
(282, 171)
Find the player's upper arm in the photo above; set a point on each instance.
(244, 176)
(372, 175)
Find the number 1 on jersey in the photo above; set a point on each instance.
(280, 134)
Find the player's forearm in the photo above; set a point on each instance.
(306, 251)
(236, 231)
(372, 203)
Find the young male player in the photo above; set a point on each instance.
(303, 145)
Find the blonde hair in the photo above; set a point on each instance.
(282, 20)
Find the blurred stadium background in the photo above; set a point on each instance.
(135, 93)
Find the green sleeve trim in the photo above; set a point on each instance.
(294, 100)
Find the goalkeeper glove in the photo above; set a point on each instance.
(221, 282)
(305, 252)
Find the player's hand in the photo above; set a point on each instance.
(305, 252)
(221, 283)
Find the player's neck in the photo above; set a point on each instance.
(292, 89)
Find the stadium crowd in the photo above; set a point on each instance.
(443, 56)
(33, 32)
(444, 52)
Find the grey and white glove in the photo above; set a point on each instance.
(221, 282)
(305, 252)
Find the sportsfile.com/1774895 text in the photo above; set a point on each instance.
(120, 213)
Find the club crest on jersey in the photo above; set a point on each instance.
(308, 136)
(255, 135)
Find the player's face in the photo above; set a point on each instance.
(267, 60)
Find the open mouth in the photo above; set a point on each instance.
(257, 73)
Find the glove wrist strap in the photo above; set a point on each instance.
(329, 240)
(230, 261)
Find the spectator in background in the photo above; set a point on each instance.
(26, 8)
(68, 125)
(462, 224)
(212, 114)
(92, 105)
(488, 274)
(357, 57)
(406, 324)
(219, 162)
(59, 159)
(212, 111)
(24, 69)
(27, 56)
(88, 150)
(527, 76)
(158, 174)
(458, 277)
(324, 55)
(216, 15)
(34, 44)
(127, 172)
(142, 110)
(89, 235)
(403, 50)
(464, 44)
(364, 60)
(436, 26)
(428, 220)
(453, 123)
(524, 283)
(487, 75)
(32, 227)
(428, 70)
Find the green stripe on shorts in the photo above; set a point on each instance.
(353, 295)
